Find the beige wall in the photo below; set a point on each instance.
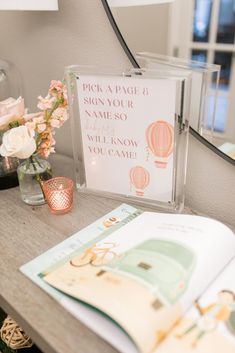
(210, 183)
(145, 28)
(41, 44)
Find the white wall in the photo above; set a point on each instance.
(41, 44)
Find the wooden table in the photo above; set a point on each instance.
(26, 232)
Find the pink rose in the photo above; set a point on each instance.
(12, 106)
(11, 110)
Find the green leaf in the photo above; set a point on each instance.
(13, 124)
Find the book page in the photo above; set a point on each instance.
(94, 232)
(147, 273)
(210, 326)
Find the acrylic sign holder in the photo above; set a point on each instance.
(204, 87)
(130, 133)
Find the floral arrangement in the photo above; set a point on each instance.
(27, 135)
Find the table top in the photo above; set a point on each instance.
(26, 232)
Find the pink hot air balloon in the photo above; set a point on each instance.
(139, 177)
(160, 139)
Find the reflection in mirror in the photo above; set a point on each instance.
(201, 30)
(203, 87)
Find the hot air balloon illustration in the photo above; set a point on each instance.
(139, 177)
(160, 139)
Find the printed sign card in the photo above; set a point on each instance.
(128, 134)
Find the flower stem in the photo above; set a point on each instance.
(33, 161)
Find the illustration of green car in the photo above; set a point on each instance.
(231, 322)
(164, 266)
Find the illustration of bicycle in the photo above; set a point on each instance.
(95, 256)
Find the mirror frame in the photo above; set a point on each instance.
(135, 64)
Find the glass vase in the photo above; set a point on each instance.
(31, 174)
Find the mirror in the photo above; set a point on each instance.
(199, 30)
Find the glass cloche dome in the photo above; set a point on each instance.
(10, 86)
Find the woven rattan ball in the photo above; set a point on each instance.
(13, 335)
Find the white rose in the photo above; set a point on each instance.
(18, 142)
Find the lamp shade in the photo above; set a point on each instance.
(31, 5)
(125, 3)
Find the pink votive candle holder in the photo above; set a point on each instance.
(59, 194)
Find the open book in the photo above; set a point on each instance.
(141, 278)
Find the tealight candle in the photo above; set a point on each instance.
(59, 194)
